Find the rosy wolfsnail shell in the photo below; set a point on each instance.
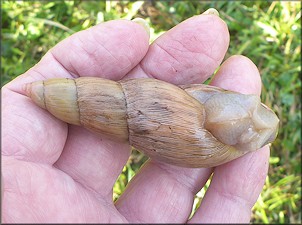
(191, 125)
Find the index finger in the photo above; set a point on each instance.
(108, 50)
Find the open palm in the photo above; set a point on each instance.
(54, 172)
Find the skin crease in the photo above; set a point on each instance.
(72, 171)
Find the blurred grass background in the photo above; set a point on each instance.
(268, 32)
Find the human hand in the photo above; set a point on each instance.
(54, 172)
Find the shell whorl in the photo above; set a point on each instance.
(59, 98)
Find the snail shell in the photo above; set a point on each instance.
(191, 125)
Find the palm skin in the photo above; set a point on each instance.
(54, 172)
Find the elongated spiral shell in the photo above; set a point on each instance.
(191, 126)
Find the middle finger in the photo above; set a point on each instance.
(188, 53)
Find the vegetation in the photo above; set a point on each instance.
(266, 32)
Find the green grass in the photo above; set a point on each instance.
(266, 32)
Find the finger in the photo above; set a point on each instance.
(107, 50)
(93, 161)
(188, 53)
(236, 185)
(161, 193)
(38, 192)
(238, 73)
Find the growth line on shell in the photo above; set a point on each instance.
(126, 107)
(77, 94)
(45, 105)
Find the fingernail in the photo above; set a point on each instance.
(211, 11)
(143, 23)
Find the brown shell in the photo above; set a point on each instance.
(191, 126)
